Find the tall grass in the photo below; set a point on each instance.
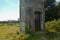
(8, 32)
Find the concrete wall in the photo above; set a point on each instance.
(27, 10)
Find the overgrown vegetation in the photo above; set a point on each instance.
(53, 26)
(9, 32)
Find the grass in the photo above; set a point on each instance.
(9, 32)
(45, 36)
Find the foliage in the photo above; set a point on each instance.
(45, 36)
(8, 33)
(53, 26)
(52, 11)
(28, 29)
(24, 37)
(11, 32)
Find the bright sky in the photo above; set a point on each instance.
(9, 10)
(58, 0)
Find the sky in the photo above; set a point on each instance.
(9, 10)
(58, 0)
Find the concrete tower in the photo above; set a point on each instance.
(32, 15)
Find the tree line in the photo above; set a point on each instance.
(52, 10)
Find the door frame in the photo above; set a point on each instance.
(36, 9)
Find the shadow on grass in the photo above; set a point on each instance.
(44, 36)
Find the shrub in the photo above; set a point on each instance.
(53, 26)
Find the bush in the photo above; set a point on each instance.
(53, 26)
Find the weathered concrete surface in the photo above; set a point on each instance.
(28, 7)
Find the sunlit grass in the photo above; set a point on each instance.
(9, 32)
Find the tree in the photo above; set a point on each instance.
(50, 10)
